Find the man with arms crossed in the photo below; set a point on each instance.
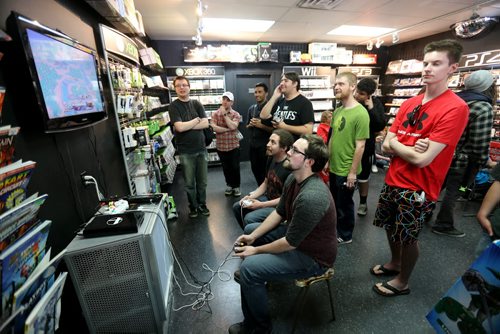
(297, 240)
(422, 139)
(292, 111)
(258, 134)
(189, 120)
(264, 199)
(350, 129)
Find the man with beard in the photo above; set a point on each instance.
(258, 133)
(297, 240)
(256, 206)
(292, 111)
(350, 129)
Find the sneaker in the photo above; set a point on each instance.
(236, 192)
(193, 212)
(204, 210)
(374, 169)
(449, 231)
(342, 241)
(229, 191)
(362, 209)
(237, 276)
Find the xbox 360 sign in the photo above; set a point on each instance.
(119, 44)
(195, 71)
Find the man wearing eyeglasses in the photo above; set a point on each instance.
(297, 240)
(422, 140)
(350, 129)
(189, 119)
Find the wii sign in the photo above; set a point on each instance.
(486, 58)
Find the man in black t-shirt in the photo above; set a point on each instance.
(189, 120)
(258, 134)
(292, 111)
(254, 208)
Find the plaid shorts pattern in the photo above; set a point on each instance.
(402, 212)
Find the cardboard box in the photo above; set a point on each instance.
(472, 303)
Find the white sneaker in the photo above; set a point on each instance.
(362, 209)
(374, 169)
(229, 191)
(236, 192)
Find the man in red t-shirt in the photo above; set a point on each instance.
(422, 140)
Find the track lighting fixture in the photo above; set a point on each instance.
(379, 42)
(395, 37)
(369, 45)
(200, 8)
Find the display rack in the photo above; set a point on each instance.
(400, 88)
(140, 102)
(207, 86)
(316, 85)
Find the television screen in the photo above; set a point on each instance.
(63, 72)
(67, 75)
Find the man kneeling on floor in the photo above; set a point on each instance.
(297, 240)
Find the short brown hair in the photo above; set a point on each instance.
(452, 47)
(316, 150)
(181, 77)
(351, 77)
(286, 138)
(294, 77)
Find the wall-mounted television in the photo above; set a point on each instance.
(64, 74)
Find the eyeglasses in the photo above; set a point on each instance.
(294, 150)
(414, 116)
(181, 86)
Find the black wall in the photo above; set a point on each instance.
(62, 157)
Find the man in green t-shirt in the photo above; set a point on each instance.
(350, 129)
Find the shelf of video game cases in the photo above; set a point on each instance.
(399, 90)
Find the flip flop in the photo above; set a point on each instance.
(393, 290)
(384, 271)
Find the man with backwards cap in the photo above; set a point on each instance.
(471, 153)
(225, 124)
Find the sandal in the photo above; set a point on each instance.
(384, 271)
(393, 291)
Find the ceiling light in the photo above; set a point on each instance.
(369, 45)
(379, 42)
(223, 25)
(347, 30)
(319, 4)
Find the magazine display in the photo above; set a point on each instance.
(19, 261)
(14, 180)
(18, 220)
(44, 318)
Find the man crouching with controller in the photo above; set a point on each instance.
(297, 240)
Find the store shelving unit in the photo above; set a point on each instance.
(141, 114)
(207, 86)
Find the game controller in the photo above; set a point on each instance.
(238, 244)
(246, 202)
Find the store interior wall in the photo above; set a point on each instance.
(61, 157)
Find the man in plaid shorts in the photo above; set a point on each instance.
(422, 140)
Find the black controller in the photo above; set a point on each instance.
(238, 244)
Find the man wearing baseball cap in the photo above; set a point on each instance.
(472, 150)
(225, 124)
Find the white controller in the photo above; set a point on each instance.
(246, 202)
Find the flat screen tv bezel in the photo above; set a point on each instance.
(60, 124)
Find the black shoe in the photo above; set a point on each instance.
(238, 328)
(193, 212)
(449, 231)
(237, 276)
(204, 210)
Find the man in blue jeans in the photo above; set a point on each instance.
(350, 129)
(256, 206)
(189, 119)
(297, 240)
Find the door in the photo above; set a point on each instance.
(243, 96)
